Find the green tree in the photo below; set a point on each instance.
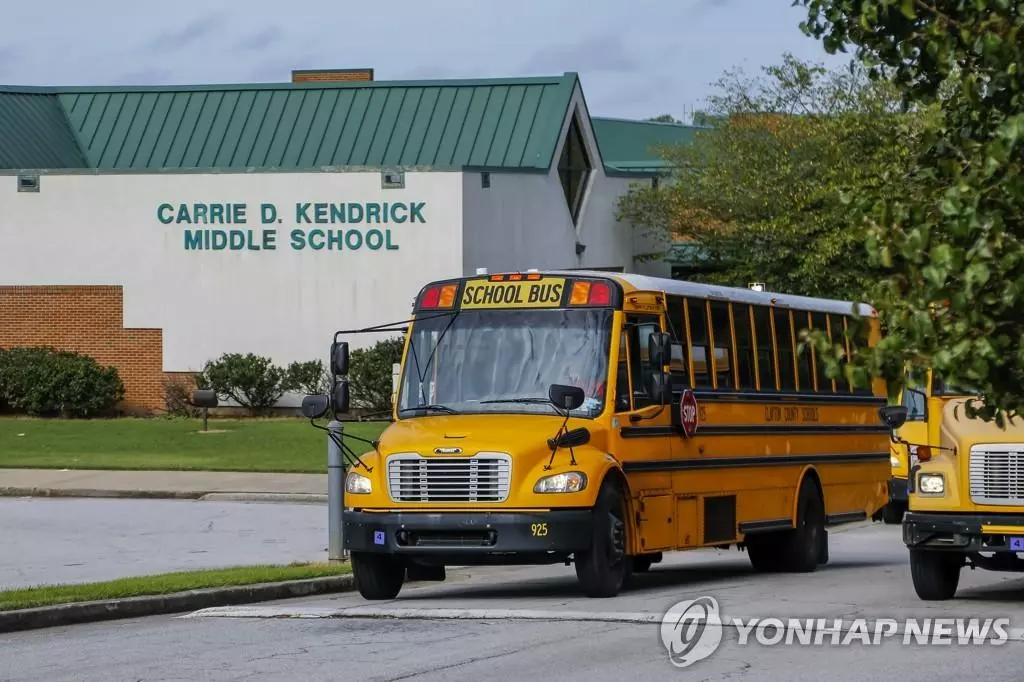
(762, 190)
(369, 374)
(951, 248)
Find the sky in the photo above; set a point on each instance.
(636, 58)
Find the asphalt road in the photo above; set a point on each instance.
(51, 540)
(332, 639)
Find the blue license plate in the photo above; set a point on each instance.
(1016, 544)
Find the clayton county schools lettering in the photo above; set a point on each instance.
(298, 238)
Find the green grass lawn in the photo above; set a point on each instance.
(285, 445)
(164, 583)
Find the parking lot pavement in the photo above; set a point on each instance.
(57, 540)
(868, 577)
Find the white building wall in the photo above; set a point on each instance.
(522, 220)
(285, 303)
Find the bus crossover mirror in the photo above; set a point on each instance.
(339, 359)
(564, 397)
(314, 406)
(340, 397)
(659, 388)
(894, 416)
(571, 439)
(659, 349)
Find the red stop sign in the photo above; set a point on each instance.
(688, 413)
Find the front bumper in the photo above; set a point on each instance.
(966, 533)
(470, 537)
(897, 490)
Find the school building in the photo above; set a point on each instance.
(156, 228)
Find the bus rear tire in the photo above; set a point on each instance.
(377, 576)
(936, 575)
(802, 550)
(604, 568)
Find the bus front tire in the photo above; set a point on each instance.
(936, 575)
(377, 576)
(892, 513)
(603, 569)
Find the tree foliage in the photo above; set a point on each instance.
(761, 191)
(952, 297)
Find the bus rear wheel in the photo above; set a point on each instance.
(603, 569)
(936, 575)
(377, 576)
(802, 550)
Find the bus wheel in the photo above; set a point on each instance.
(377, 576)
(603, 569)
(764, 555)
(892, 513)
(802, 552)
(936, 575)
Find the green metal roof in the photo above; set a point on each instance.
(511, 124)
(631, 146)
(34, 133)
(499, 124)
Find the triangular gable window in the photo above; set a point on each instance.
(574, 167)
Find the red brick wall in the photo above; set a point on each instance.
(87, 319)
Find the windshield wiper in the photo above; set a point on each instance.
(518, 400)
(430, 407)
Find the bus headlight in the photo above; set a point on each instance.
(358, 484)
(931, 484)
(569, 482)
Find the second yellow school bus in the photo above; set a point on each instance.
(602, 419)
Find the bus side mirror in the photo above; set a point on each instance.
(659, 388)
(659, 350)
(340, 397)
(314, 406)
(339, 359)
(567, 398)
(894, 416)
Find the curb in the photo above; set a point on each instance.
(203, 495)
(302, 498)
(88, 492)
(153, 605)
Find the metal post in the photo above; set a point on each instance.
(335, 491)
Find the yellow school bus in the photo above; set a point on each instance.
(965, 491)
(601, 419)
(924, 403)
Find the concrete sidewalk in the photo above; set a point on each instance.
(208, 485)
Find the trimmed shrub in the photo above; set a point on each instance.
(44, 382)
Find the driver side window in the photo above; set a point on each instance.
(915, 403)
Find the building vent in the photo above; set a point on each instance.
(331, 75)
(28, 183)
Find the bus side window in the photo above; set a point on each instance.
(825, 385)
(805, 360)
(858, 339)
(676, 327)
(765, 347)
(838, 331)
(744, 345)
(784, 340)
(699, 336)
(722, 331)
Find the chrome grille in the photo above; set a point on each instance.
(485, 477)
(996, 474)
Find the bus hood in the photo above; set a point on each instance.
(961, 432)
(517, 435)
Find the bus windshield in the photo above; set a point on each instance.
(487, 361)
